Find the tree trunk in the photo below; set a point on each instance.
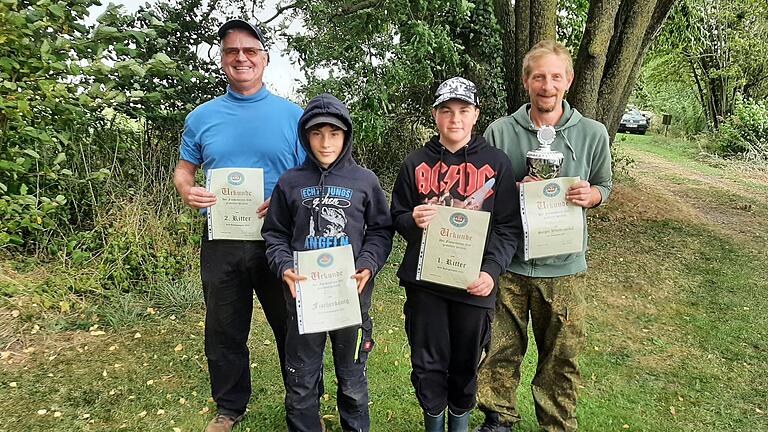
(590, 62)
(616, 38)
(660, 13)
(505, 17)
(522, 41)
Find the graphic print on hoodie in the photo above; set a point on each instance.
(476, 177)
(328, 204)
(315, 208)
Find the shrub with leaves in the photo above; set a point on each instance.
(745, 132)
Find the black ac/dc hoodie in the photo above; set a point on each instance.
(432, 174)
(314, 207)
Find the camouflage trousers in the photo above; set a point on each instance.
(557, 310)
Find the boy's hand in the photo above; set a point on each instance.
(361, 276)
(482, 286)
(423, 214)
(262, 210)
(290, 278)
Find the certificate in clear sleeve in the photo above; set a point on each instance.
(239, 193)
(452, 247)
(551, 225)
(327, 300)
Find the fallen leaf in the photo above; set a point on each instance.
(151, 311)
(626, 426)
(57, 414)
(267, 342)
(150, 382)
(757, 410)
(113, 347)
(13, 384)
(35, 329)
(172, 317)
(97, 333)
(93, 327)
(85, 416)
(176, 429)
(161, 412)
(137, 335)
(178, 347)
(672, 411)
(42, 412)
(15, 313)
(143, 414)
(205, 410)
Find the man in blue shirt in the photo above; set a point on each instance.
(248, 127)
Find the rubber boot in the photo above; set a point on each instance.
(434, 423)
(458, 423)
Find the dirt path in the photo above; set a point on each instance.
(731, 199)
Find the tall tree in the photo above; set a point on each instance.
(615, 41)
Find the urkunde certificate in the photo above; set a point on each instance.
(452, 247)
(239, 193)
(327, 299)
(551, 225)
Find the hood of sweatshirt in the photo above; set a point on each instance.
(327, 104)
(571, 117)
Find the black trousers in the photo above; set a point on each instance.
(231, 271)
(304, 371)
(447, 338)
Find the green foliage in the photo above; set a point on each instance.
(722, 45)
(745, 132)
(386, 62)
(661, 91)
(89, 128)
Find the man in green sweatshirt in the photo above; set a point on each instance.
(548, 290)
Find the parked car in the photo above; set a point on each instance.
(633, 121)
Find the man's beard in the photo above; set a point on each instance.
(546, 108)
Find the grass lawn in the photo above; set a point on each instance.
(677, 335)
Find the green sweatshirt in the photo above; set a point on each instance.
(584, 143)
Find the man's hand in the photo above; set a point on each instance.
(361, 276)
(184, 180)
(583, 194)
(197, 197)
(482, 286)
(423, 214)
(290, 278)
(262, 210)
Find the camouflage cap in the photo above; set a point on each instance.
(456, 88)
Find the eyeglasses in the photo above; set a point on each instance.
(249, 52)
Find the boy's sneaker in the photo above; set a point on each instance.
(493, 423)
(223, 423)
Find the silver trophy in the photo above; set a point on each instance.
(544, 162)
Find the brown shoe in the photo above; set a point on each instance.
(222, 423)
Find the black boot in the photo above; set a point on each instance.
(434, 423)
(458, 423)
(493, 423)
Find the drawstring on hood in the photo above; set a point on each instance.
(476, 144)
(570, 118)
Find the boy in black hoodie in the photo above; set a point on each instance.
(448, 327)
(327, 201)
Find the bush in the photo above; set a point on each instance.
(745, 132)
